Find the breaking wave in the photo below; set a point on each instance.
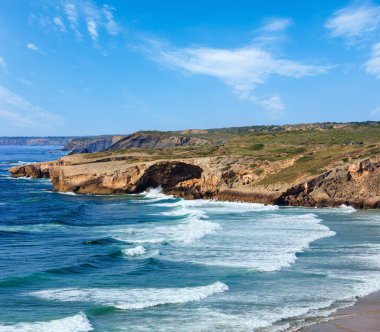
(272, 243)
(77, 323)
(220, 206)
(130, 299)
(135, 251)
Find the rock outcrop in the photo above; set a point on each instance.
(151, 141)
(224, 178)
(35, 171)
(136, 140)
(91, 145)
(356, 185)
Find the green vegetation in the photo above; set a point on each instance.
(304, 159)
(257, 146)
(307, 149)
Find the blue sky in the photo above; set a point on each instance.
(75, 67)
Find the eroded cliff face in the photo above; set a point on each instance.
(146, 140)
(223, 178)
(35, 171)
(357, 185)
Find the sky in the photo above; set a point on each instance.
(88, 67)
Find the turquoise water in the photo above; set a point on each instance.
(151, 262)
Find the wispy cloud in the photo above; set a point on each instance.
(111, 25)
(92, 29)
(86, 17)
(354, 21)
(358, 24)
(59, 23)
(242, 69)
(72, 16)
(277, 24)
(26, 82)
(372, 66)
(34, 48)
(20, 112)
(3, 65)
(274, 104)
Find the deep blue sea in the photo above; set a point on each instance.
(150, 262)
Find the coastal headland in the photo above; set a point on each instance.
(325, 164)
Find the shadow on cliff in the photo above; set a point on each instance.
(167, 175)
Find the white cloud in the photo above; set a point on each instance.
(59, 23)
(372, 66)
(275, 105)
(20, 112)
(26, 82)
(92, 29)
(277, 24)
(3, 65)
(17, 119)
(72, 16)
(354, 21)
(111, 26)
(34, 48)
(91, 16)
(359, 24)
(242, 69)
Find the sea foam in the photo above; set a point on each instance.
(77, 323)
(135, 251)
(186, 231)
(190, 227)
(130, 299)
(154, 195)
(347, 209)
(265, 244)
(219, 206)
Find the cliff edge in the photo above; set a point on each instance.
(356, 184)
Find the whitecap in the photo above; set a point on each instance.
(19, 178)
(17, 163)
(220, 206)
(267, 244)
(130, 299)
(187, 231)
(77, 323)
(184, 211)
(30, 227)
(191, 228)
(154, 195)
(347, 209)
(135, 251)
(69, 193)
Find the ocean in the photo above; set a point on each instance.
(152, 262)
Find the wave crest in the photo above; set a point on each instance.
(77, 323)
(130, 299)
(135, 251)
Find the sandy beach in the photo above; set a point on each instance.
(363, 316)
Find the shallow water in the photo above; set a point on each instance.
(152, 262)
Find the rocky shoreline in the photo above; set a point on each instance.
(355, 184)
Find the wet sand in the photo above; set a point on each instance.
(363, 316)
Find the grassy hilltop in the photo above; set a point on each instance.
(315, 147)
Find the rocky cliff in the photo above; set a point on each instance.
(90, 144)
(225, 178)
(136, 140)
(152, 140)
